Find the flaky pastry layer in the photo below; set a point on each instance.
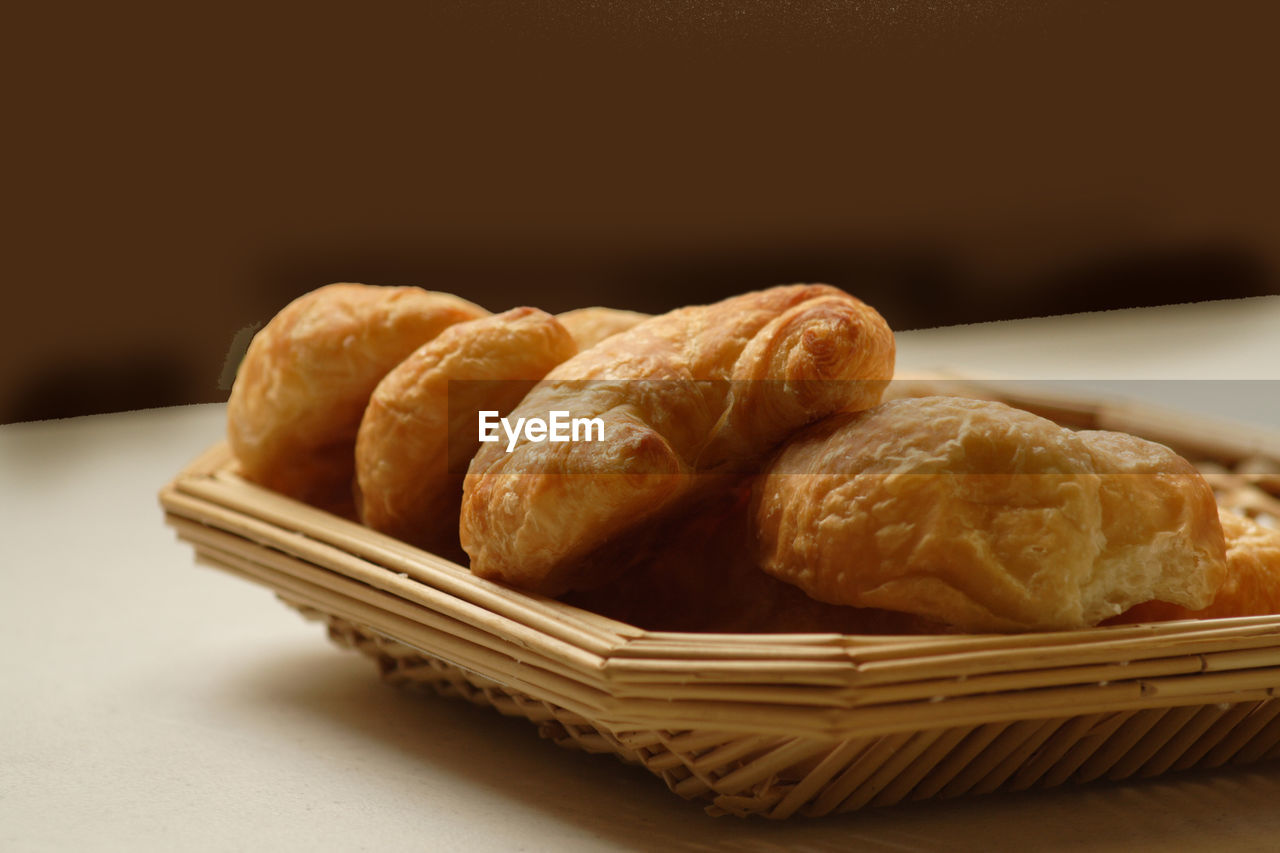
(590, 326)
(697, 390)
(302, 387)
(986, 518)
(1252, 584)
(420, 429)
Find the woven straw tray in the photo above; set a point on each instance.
(787, 724)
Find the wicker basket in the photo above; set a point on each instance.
(786, 724)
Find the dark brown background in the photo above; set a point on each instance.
(177, 175)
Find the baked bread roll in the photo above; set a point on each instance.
(420, 428)
(1252, 585)
(701, 389)
(986, 518)
(305, 380)
(590, 326)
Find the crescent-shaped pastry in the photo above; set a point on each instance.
(1252, 585)
(305, 380)
(590, 326)
(986, 518)
(420, 429)
(701, 389)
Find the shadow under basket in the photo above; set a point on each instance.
(787, 724)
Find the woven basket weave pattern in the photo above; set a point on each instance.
(781, 776)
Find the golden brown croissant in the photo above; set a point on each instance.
(590, 326)
(1252, 585)
(306, 378)
(986, 518)
(420, 429)
(700, 389)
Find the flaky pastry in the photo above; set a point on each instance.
(305, 380)
(986, 518)
(1252, 585)
(420, 428)
(590, 326)
(697, 572)
(701, 389)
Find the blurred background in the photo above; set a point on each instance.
(177, 172)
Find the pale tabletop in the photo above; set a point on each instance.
(153, 704)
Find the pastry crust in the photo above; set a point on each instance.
(986, 518)
(590, 326)
(701, 389)
(1252, 585)
(420, 428)
(305, 380)
(699, 574)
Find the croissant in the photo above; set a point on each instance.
(590, 326)
(701, 389)
(305, 380)
(986, 518)
(419, 430)
(1252, 585)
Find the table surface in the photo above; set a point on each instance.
(150, 703)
